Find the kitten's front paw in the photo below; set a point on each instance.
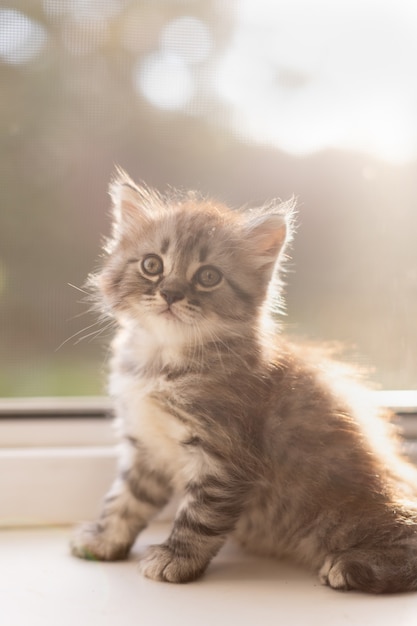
(90, 541)
(160, 563)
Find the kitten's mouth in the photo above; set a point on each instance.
(168, 314)
(174, 316)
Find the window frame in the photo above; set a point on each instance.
(58, 456)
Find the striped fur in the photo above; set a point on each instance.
(265, 440)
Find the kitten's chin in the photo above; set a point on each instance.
(169, 316)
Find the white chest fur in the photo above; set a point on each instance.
(141, 417)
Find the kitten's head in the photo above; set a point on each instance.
(183, 265)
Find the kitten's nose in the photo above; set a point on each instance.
(171, 295)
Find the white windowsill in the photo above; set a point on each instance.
(42, 585)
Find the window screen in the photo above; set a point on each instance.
(243, 100)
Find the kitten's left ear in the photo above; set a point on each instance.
(130, 204)
(270, 232)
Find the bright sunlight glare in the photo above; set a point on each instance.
(306, 76)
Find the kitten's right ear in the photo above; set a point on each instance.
(270, 230)
(130, 204)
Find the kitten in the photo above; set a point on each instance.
(266, 441)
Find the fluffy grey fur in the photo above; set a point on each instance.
(268, 441)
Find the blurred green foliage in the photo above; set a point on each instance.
(49, 376)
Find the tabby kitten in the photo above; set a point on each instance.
(266, 441)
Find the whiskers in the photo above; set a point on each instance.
(150, 304)
(80, 289)
(216, 344)
(83, 334)
(207, 343)
(187, 313)
(100, 326)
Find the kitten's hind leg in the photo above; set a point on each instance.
(332, 574)
(135, 497)
(385, 570)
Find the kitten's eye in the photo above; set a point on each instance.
(152, 265)
(208, 276)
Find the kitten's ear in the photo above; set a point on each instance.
(269, 233)
(130, 204)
